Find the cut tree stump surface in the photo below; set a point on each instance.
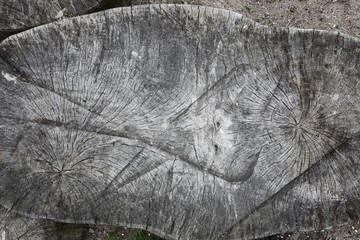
(17, 15)
(191, 122)
(14, 226)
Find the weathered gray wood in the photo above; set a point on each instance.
(16, 15)
(186, 121)
(326, 196)
(14, 226)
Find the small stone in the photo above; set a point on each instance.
(91, 231)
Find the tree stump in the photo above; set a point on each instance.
(190, 122)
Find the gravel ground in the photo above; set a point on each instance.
(334, 15)
(67, 231)
(351, 232)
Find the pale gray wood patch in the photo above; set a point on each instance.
(188, 121)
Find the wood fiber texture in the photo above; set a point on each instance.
(14, 226)
(16, 15)
(187, 121)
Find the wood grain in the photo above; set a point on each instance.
(15, 226)
(17, 15)
(187, 121)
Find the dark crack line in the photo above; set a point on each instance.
(137, 176)
(226, 77)
(129, 164)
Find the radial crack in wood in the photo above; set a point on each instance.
(188, 121)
